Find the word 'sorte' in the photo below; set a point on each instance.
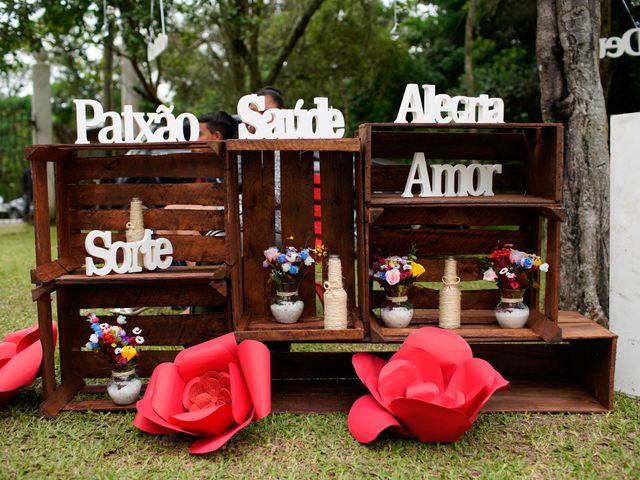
(152, 253)
(442, 108)
(319, 122)
(467, 184)
(614, 47)
(122, 125)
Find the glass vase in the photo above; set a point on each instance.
(512, 312)
(286, 305)
(397, 310)
(124, 385)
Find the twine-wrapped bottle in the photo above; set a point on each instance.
(335, 297)
(135, 226)
(450, 296)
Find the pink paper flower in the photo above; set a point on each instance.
(392, 276)
(431, 389)
(20, 359)
(211, 390)
(271, 253)
(515, 256)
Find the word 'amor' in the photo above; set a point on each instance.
(474, 179)
(258, 123)
(122, 125)
(614, 47)
(152, 252)
(442, 108)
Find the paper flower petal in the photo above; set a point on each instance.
(208, 421)
(167, 396)
(193, 363)
(428, 422)
(7, 351)
(394, 379)
(147, 419)
(367, 419)
(426, 363)
(241, 405)
(368, 367)
(211, 444)
(255, 361)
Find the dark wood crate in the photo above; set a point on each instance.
(525, 211)
(253, 166)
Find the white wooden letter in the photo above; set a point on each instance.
(418, 174)
(94, 250)
(411, 103)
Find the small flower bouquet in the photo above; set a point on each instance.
(290, 264)
(512, 269)
(396, 275)
(394, 270)
(113, 341)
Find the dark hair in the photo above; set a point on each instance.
(220, 122)
(273, 93)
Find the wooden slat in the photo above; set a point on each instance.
(499, 200)
(544, 172)
(158, 294)
(49, 271)
(174, 165)
(94, 365)
(552, 278)
(150, 194)
(196, 248)
(393, 178)
(444, 241)
(233, 237)
(65, 331)
(59, 399)
(175, 274)
(469, 216)
(337, 200)
(296, 177)
(428, 298)
(259, 225)
(182, 330)
(39, 152)
(468, 269)
(334, 145)
(154, 218)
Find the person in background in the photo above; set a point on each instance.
(217, 126)
(273, 97)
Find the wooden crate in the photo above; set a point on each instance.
(89, 198)
(253, 166)
(525, 209)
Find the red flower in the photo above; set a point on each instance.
(431, 389)
(20, 359)
(211, 390)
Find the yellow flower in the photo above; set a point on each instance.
(113, 344)
(416, 269)
(128, 352)
(537, 261)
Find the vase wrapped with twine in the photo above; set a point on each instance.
(135, 225)
(450, 296)
(335, 297)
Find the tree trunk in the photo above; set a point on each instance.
(469, 80)
(571, 92)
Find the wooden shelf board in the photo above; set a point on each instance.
(306, 329)
(79, 277)
(498, 200)
(325, 396)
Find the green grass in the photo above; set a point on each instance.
(106, 445)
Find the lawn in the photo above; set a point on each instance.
(99, 445)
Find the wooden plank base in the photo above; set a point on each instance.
(328, 396)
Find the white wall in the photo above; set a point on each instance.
(625, 249)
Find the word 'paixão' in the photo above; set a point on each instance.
(122, 127)
(614, 47)
(319, 122)
(152, 252)
(474, 179)
(442, 108)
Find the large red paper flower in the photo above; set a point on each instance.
(20, 359)
(211, 390)
(431, 389)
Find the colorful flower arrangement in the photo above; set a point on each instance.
(394, 270)
(113, 341)
(512, 269)
(291, 263)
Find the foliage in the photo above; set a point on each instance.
(15, 134)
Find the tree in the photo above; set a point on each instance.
(567, 51)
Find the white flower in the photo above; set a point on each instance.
(504, 271)
(490, 275)
(292, 257)
(136, 331)
(121, 320)
(117, 351)
(139, 340)
(88, 345)
(286, 267)
(407, 267)
(544, 267)
(104, 326)
(93, 338)
(309, 261)
(510, 275)
(90, 317)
